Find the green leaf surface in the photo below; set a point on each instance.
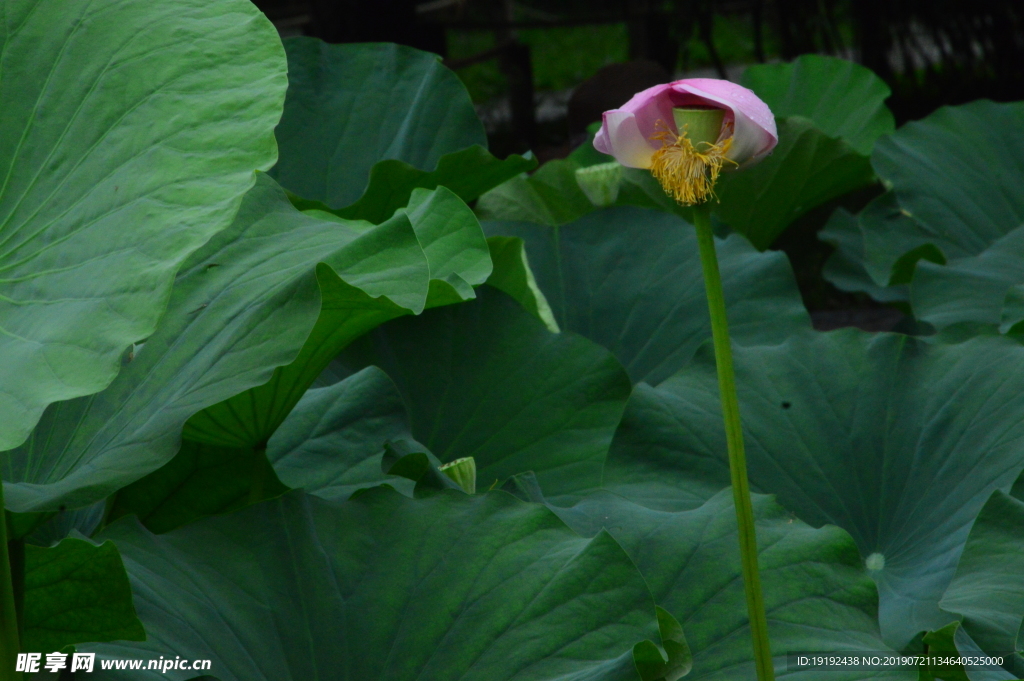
(988, 589)
(512, 274)
(639, 188)
(451, 238)
(845, 268)
(339, 439)
(842, 98)
(333, 441)
(550, 196)
(897, 441)
(243, 305)
(957, 174)
(806, 169)
(486, 379)
(57, 526)
(859, 262)
(350, 106)
(675, 663)
(468, 173)
(201, 480)
(76, 592)
(446, 587)
(630, 279)
(942, 642)
(1017, 491)
(971, 290)
(20, 525)
(952, 640)
(411, 460)
(457, 258)
(884, 224)
(129, 132)
(818, 596)
(951, 223)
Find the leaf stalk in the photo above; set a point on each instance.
(10, 644)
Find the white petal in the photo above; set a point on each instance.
(620, 136)
(750, 142)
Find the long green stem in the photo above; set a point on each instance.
(10, 644)
(734, 442)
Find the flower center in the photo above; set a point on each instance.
(687, 165)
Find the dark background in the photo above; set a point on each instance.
(510, 53)
(540, 71)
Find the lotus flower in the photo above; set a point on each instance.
(685, 132)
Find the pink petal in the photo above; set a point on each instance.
(754, 133)
(620, 137)
(653, 110)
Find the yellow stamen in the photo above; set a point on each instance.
(686, 174)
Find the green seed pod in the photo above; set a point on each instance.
(463, 472)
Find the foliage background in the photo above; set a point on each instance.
(391, 296)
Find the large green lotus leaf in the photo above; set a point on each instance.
(897, 441)
(842, 98)
(845, 268)
(954, 179)
(468, 172)
(988, 589)
(630, 279)
(386, 587)
(243, 305)
(885, 224)
(818, 596)
(350, 106)
(486, 379)
(957, 174)
(333, 441)
(76, 592)
(458, 258)
(129, 132)
(971, 290)
(513, 275)
(807, 169)
(332, 444)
